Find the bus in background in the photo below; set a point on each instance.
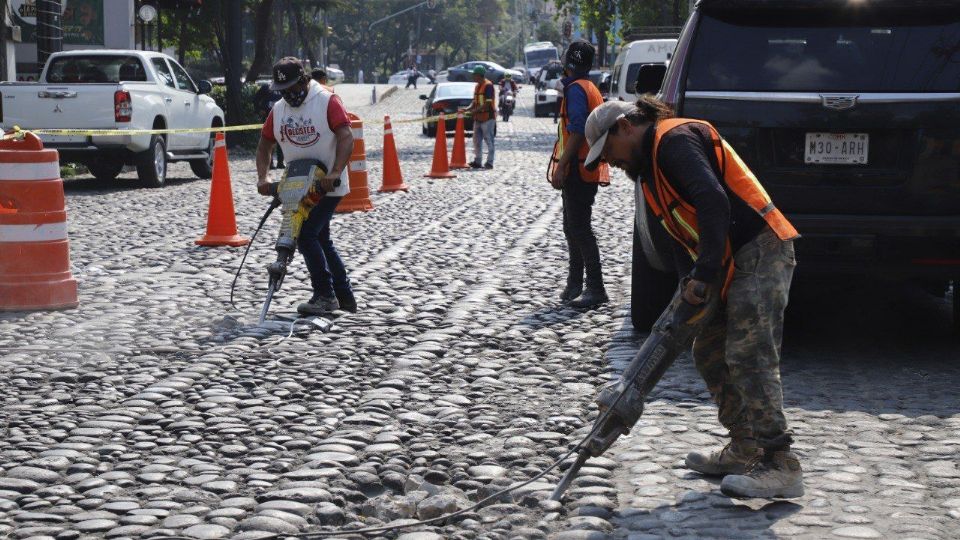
(536, 55)
(631, 57)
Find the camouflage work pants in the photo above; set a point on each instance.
(738, 353)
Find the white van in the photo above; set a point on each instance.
(631, 57)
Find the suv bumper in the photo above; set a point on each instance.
(883, 246)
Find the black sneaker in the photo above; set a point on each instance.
(475, 165)
(590, 298)
(488, 166)
(347, 301)
(319, 305)
(571, 291)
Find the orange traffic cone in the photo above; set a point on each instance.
(392, 177)
(440, 167)
(221, 220)
(359, 196)
(458, 160)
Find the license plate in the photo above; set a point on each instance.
(63, 139)
(837, 148)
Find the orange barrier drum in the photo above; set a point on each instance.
(359, 196)
(34, 251)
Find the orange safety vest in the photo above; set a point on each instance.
(479, 98)
(679, 217)
(601, 175)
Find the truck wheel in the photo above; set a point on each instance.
(152, 163)
(203, 168)
(105, 170)
(652, 289)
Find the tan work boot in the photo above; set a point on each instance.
(731, 459)
(779, 476)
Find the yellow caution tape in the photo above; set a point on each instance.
(17, 132)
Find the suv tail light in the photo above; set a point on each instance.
(122, 106)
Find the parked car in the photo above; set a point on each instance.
(858, 145)
(334, 75)
(117, 89)
(547, 97)
(632, 56)
(495, 72)
(447, 98)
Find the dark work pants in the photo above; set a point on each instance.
(326, 268)
(578, 197)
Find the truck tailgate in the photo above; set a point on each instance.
(87, 106)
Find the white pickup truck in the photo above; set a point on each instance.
(117, 89)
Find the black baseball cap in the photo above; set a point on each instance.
(579, 56)
(287, 72)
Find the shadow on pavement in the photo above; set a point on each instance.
(708, 515)
(88, 185)
(550, 316)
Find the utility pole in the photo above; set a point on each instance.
(234, 58)
(49, 30)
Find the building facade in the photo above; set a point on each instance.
(87, 24)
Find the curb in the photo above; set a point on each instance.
(389, 92)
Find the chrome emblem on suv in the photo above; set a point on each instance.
(839, 102)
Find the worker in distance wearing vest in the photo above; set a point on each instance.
(579, 185)
(730, 237)
(484, 111)
(311, 123)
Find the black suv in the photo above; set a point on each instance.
(848, 111)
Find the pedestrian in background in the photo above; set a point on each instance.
(320, 76)
(730, 238)
(311, 123)
(360, 76)
(412, 76)
(484, 113)
(579, 185)
(263, 102)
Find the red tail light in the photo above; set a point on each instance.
(438, 106)
(122, 106)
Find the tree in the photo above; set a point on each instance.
(262, 39)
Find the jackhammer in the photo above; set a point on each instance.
(295, 194)
(621, 402)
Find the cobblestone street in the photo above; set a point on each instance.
(154, 410)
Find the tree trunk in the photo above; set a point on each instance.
(262, 40)
(182, 45)
(304, 38)
(676, 13)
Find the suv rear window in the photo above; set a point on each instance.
(75, 69)
(827, 52)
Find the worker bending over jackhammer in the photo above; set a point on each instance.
(729, 235)
(311, 123)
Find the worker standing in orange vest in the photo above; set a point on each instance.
(730, 236)
(484, 111)
(579, 185)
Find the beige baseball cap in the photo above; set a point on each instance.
(598, 125)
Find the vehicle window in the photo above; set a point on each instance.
(541, 57)
(76, 69)
(632, 71)
(902, 52)
(460, 91)
(163, 72)
(616, 80)
(184, 82)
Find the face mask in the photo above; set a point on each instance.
(295, 98)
